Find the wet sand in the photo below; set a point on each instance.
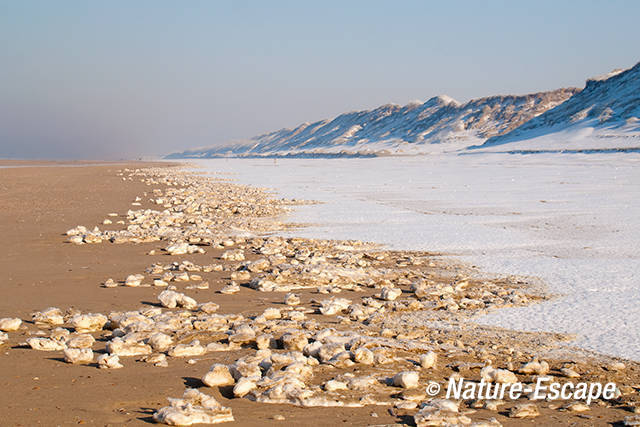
(40, 270)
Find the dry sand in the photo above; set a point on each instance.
(40, 270)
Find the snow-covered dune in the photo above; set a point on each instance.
(605, 115)
(437, 125)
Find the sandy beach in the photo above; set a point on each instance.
(431, 311)
(40, 204)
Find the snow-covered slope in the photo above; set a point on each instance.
(605, 115)
(440, 124)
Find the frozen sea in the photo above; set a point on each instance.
(572, 220)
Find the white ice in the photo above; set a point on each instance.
(573, 220)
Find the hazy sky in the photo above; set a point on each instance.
(116, 79)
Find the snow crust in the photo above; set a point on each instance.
(572, 220)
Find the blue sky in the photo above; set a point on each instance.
(117, 79)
